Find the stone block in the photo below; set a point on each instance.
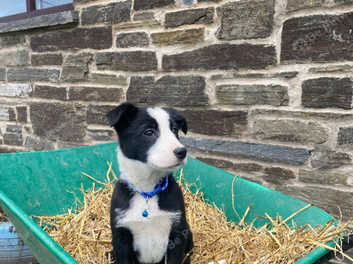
(57, 121)
(49, 92)
(4, 114)
(37, 144)
(328, 159)
(319, 38)
(345, 136)
(10, 40)
(289, 131)
(275, 95)
(189, 17)
(97, 114)
(215, 122)
(324, 177)
(278, 175)
(73, 39)
(13, 139)
(108, 79)
(144, 5)
(294, 5)
(75, 67)
(98, 94)
(253, 151)
(222, 57)
(133, 39)
(14, 129)
(333, 201)
(15, 89)
(279, 75)
(133, 61)
(2, 74)
(46, 59)
(246, 19)
(32, 75)
(144, 16)
(107, 14)
(14, 58)
(21, 114)
(188, 36)
(168, 90)
(332, 69)
(327, 92)
(100, 134)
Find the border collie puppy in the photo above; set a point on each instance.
(147, 214)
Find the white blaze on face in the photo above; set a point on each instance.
(161, 154)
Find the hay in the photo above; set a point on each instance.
(86, 235)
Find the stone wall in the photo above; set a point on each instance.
(266, 85)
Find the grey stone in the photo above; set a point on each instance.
(332, 69)
(99, 94)
(4, 114)
(14, 129)
(14, 58)
(133, 61)
(74, 39)
(328, 159)
(188, 36)
(21, 114)
(275, 95)
(345, 136)
(319, 38)
(100, 134)
(324, 177)
(223, 57)
(46, 59)
(333, 201)
(144, 16)
(228, 165)
(13, 139)
(278, 175)
(37, 144)
(60, 18)
(189, 17)
(216, 122)
(246, 19)
(108, 79)
(143, 5)
(279, 75)
(286, 130)
(108, 14)
(270, 153)
(57, 121)
(294, 5)
(15, 89)
(2, 74)
(136, 25)
(168, 90)
(134, 39)
(49, 92)
(10, 40)
(32, 74)
(75, 67)
(327, 92)
(97, 114)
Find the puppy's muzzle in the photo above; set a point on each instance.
(180, 153)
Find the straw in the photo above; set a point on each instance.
(86, 234)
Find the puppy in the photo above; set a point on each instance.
(147, 213)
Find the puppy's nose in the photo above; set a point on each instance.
(180, 153)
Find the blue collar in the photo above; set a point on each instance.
(160, 187)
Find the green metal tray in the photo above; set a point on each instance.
(47, 183)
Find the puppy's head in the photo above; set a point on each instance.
(150, 135)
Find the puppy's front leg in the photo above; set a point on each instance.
(123, 252)
(180, 244)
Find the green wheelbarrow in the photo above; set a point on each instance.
(48, 183)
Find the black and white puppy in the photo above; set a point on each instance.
(147, 214)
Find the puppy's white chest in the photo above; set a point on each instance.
(151, 233)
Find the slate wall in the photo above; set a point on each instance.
(265, 84)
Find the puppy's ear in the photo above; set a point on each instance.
(178, 119)
(121, 114)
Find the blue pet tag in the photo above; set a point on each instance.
(145, 213)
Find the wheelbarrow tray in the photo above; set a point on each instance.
(48, 183)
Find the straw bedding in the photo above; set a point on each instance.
(86, 236)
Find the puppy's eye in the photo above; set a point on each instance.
(175, 130)
(148, 132)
